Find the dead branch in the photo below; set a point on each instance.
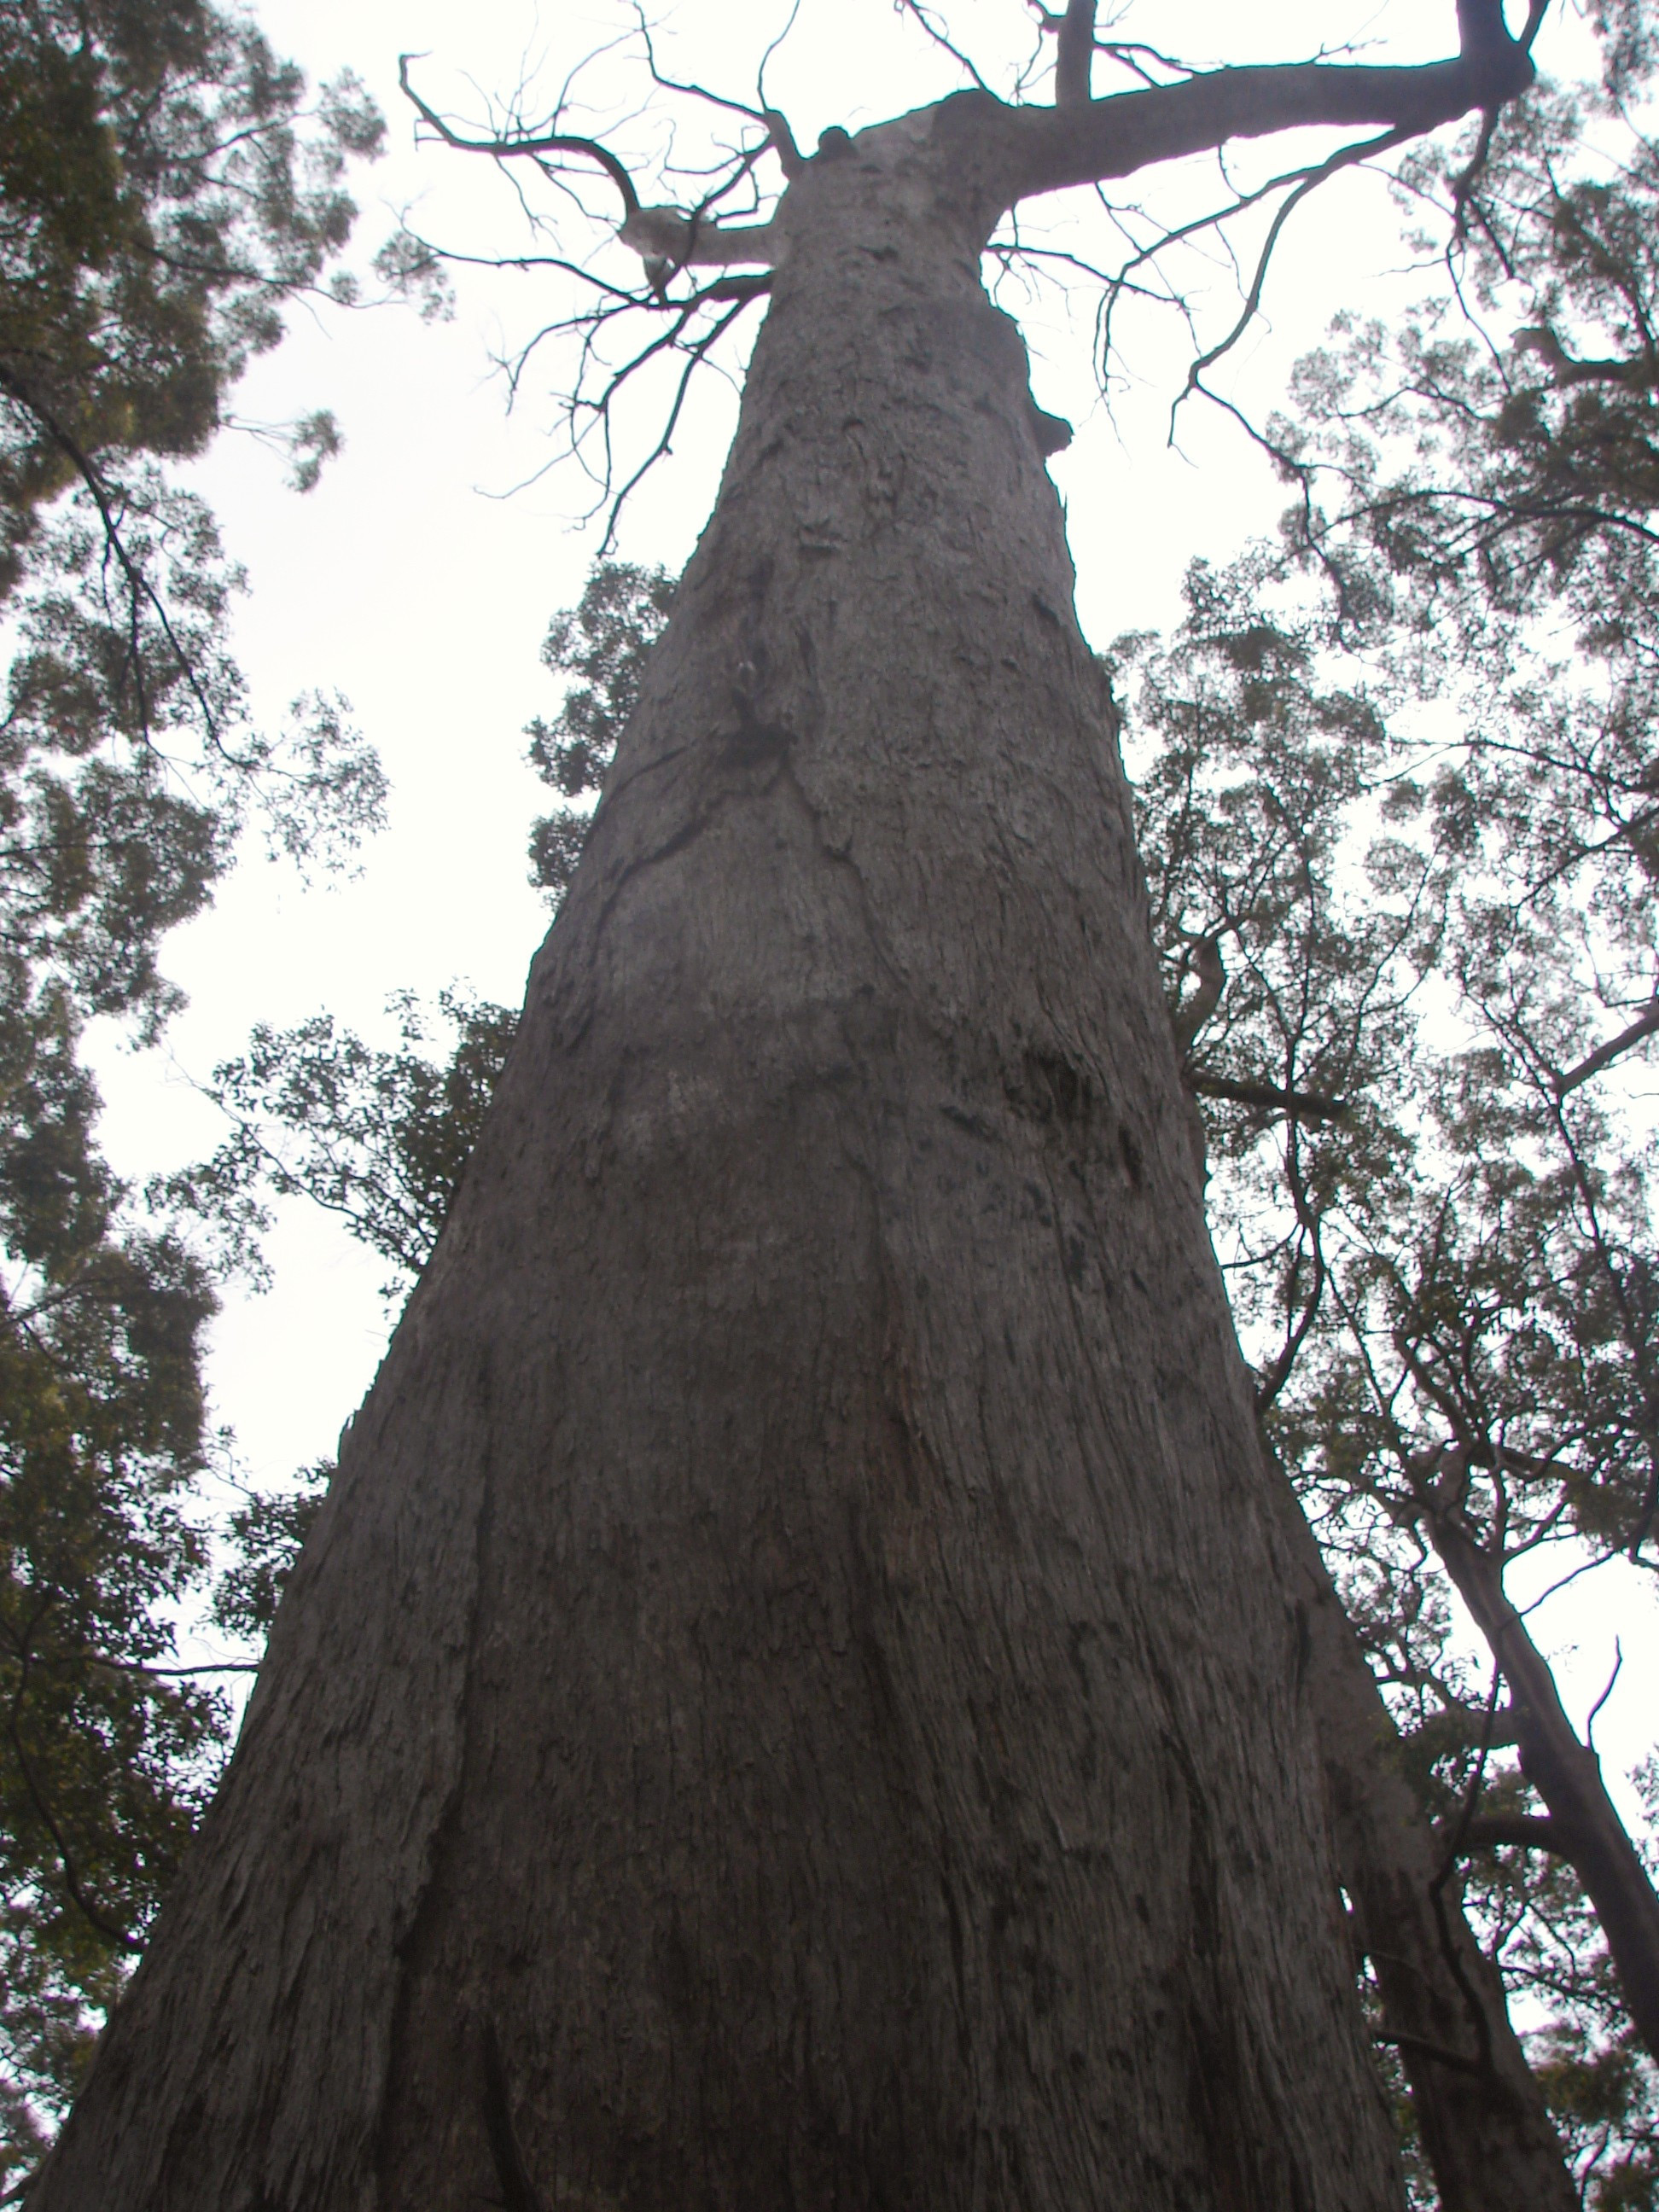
(1346, 157)
(916, 8)
(1526, 1832)
(1047, 149)
(534, 146)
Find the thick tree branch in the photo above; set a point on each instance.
(1074, 54)
(660, 234)
(1604, 1055)
(1047, 149)
(1302, 1105)
(1527, 1832)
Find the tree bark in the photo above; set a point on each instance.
(790, 1700)
(1585, 1823)
(1486, 2132)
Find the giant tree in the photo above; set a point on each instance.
(797, 1690)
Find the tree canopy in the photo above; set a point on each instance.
(165, 191)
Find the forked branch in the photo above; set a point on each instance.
(534, 146)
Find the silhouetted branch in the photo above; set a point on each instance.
(1074, 53)
(1604, 1055)
(1303, 1105)
(533, 146)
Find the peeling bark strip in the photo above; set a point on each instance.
(797, 1639)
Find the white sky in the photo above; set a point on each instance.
(406, 583)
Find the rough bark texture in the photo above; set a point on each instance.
(792, 1700)
(1482, 2116)
(1584, 1824)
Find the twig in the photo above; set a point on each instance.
(1595, 1711)
(915, 8)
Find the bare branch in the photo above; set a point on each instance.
(661, 234)
(692, 91)
(1046, 150)
(1526, 1832)
(1302, 1105)
(554, 142)
(696, 355)
(916, 8)
(1346, 157)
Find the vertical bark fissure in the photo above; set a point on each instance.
(418, 1943)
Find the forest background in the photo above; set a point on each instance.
(406, 580)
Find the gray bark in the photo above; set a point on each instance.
(790, 1699)
(1584, 1826)
(1485, 2128)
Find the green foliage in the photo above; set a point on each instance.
(1440, 1249)
(378, 1138)
(268, 1532)
(163, 192)
(1408, 816)
(601, 643)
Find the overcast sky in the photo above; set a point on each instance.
(410, 582)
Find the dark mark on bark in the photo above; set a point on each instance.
(1051, 1088)
(518, 2191)
(1135, 1165)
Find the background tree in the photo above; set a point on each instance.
(164, 190)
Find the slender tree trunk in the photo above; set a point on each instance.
(791, 1699)
(1585, 1826)
(1485, 2128)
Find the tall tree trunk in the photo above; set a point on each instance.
(1485, 2128)
(1584, 1825)
(791, 1700)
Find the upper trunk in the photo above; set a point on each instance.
(790, 1700)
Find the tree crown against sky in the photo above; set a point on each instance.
(584, 159)
(166, 192)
